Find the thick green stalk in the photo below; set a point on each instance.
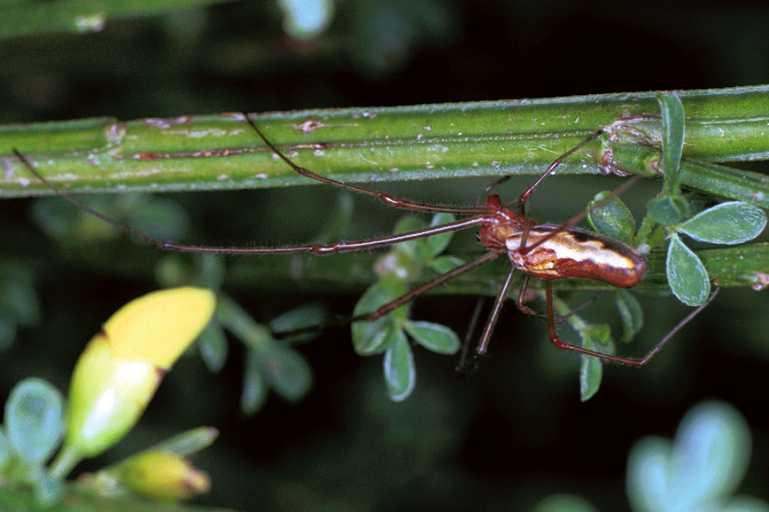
(28, 18)
(744, 266)
(381, 144)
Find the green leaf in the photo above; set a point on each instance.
(19, 298)
(729, 223)
(443, 264)
(368, 337)
(400, 374)
(434, 337)
(8, 330)
(649, 475)
(238, 322)
(434, 245)
(704, 465)
(211, 270)
(189, 442)
(404, 225)
(33, 420)
(673, 132)
(162, 218)
(254, 386)
(687, 276)
(711, 453)
(307, 315)
(564, 503)
(213, 346)
(608, 215)
(668, 210)
(590, 374)
(631, 313)
(286, 371)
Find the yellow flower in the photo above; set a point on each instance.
(120, 369)
(162, 476)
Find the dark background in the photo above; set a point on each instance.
(503, 439)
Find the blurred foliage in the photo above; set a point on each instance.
(483, 442)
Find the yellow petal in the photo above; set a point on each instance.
(159, 326)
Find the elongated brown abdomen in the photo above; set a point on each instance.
(577, 253)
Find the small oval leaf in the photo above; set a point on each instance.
(610, 216)
(399, 371)
(710, 454)
(33, 420)
(368, 336)
(212, 345)
(730, 223)
(254, 387)
(631, 313)
(649, 475)
(687, 276)
(434, 337)
(307, 315)
(443, 264)
(404, 225)
(286, 371)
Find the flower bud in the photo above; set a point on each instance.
(162, 476)
(120, 369)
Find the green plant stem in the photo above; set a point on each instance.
(380, 144)
(729, 267)
(28, 18)
(65, 462)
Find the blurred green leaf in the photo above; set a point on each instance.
(368, 337)
(238, 322)
(649, 477)
(286, 371)
(608, 215)
(399, 371)
(211, 269)
(189, 442)
(33, 419)
(699, 471)
(434, 245)
(564, 503)
(687, 276)
(8, 330)
(728, 223)
(305, 19)
(631, 313)
(667, 210)
(302, 317)
(673, 133)
(434, 337)
(18, 296)
(711, 453)
(404, 225)
(443, 264)
(212, 344)
(254, 387)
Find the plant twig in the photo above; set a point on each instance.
(379, 144)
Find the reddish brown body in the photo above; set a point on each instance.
(551, 252)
